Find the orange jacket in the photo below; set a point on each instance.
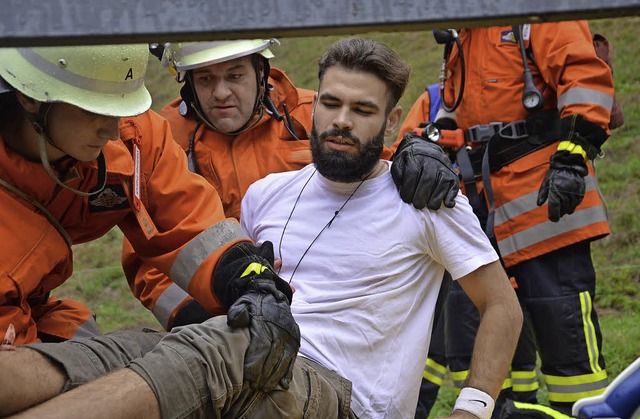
(180, 226)
(231, 164)
(572, 79)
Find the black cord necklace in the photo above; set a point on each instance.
(327, 225)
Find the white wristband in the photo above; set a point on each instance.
(476, 402)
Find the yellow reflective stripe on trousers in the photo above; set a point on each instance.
(583, 95)
(540, 408)
(586, 307)
(459, 377)
(434, 372)
(168, 301)
(199, 249)
(571, 389)
(524, 381)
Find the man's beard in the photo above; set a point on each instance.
(342, 166)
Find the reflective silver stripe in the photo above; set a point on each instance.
(87, 330)
(200, 247)
(523, 381)
(526, 203)
(167, 302)
(577, 388)
(98, 86)
(580, 95)
(547, 230)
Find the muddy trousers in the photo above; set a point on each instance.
(556, 293)
(196, 372)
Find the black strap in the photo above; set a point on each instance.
(469, 180)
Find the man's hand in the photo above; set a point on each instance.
(564, 184)
(257, 298)
(423, 174)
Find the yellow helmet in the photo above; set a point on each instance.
(103, 79)
(180, 58)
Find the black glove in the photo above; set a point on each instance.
(564, 184)
(256, 297)
(423, 174)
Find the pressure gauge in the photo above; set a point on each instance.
(532, 100)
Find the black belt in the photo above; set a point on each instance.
(514, 140)
(509, 142)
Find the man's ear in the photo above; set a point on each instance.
(393, 119)
(28, 104)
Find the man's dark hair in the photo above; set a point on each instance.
(372, 57)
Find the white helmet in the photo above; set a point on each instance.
(179, 58)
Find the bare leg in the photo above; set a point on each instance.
(122, 394)
(27, 378)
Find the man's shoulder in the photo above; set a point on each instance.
(278, 182)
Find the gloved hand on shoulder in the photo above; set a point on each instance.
(256, 297)
(423, 173)
(564, 184)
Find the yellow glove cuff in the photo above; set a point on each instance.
(572, 148)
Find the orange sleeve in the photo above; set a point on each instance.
(184, 207)
(566, 58)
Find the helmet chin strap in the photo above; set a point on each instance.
(38, 122)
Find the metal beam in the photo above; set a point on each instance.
(71, 22)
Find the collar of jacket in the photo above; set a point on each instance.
(284, 91)
(31, 178)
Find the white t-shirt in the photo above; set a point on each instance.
(367, 286)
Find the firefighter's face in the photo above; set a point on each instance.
(227, 92)
(350, 123)
(79, 133)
